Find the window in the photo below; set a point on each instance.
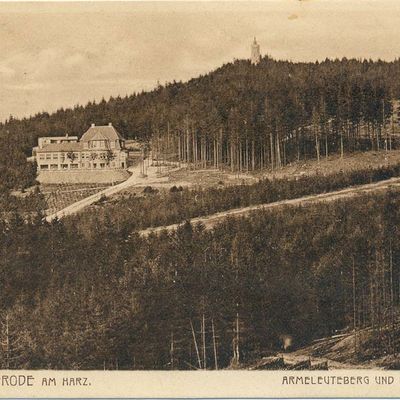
(44, 166)
(74, 166)
(41, 156)
(55, 156)
(53, 166)
(64, 166)
(102, 165)
(48, 156)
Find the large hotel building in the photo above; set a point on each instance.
(100, 147)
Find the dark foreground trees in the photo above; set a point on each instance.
(196, 299)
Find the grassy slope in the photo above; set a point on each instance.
(212, 178)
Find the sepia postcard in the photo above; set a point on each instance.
(200, 199)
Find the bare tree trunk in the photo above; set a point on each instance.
(206, 152)
(203, 325)
(201, 153)
(196, 150)
(341, 144)
(284, 152)
(253, 161)
(298, 144)
(220, 148)
(240, 157)
(179, 149)
(232, 157)
(237, 339)
(214, 157)
(377, 137)
(195, 344)
(171, 351)
(7, 343)
(187, 144)
(278, 150)
(214, 345)
(372, 302)
(247, 155)
(317, 145)
(326, 145)
(392, 133)
(272, 150)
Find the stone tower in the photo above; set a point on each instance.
(255, 52)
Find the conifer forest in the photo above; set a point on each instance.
(89, 291)
(240, 116)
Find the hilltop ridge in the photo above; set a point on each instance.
(223, 88)
(240, 115)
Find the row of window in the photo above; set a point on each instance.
(101, 144)
(56, 156)
(76, 166)
(63, 156)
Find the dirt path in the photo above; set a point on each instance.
(211, 220)
(293, 358)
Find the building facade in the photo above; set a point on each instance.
(100, 147)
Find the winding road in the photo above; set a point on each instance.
(134, 180)
(211, 220)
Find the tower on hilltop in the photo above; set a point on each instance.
(255, 52)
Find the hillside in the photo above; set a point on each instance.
(241, 116)
(209, 196)
(343, 350)
(131, 301)
(123, 299)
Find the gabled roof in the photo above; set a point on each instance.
(105, 132)
(66, 146)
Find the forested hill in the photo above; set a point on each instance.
(238, 99)
(212, 97)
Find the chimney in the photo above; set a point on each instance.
(93, 125)
(109, 124)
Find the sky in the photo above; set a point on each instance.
(61, 54)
